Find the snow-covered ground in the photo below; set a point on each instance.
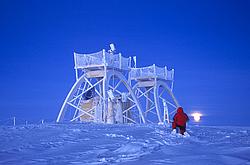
(122, 144)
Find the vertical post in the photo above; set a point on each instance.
(134, 58)
(172, 74)
(75, 66)
(156, 99)
(129, 73)
(154, 69)
(129, 63)
(104, 82)
(26, 122)
(129, 78)
(103, 57)
(155, 76)
(148, 103)
(140, 71)
(165, 111)
(14, 121)
(42, 121)
(166, 72)
(172, 77)
(99, 108)
(120, 60)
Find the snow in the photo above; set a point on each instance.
(91, 143)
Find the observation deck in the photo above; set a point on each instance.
(101, 59)
(151, 72)
(146, 76)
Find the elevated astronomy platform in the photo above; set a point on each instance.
(109, 90)
(153, 87)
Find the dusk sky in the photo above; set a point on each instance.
(206, 42)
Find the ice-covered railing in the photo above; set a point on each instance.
(152, 72)
(102, 58)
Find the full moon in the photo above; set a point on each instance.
(197, 117)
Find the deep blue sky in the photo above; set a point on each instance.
(207, 42)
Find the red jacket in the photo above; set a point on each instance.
(180, 118)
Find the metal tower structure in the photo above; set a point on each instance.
(153, 87)
(109, 90)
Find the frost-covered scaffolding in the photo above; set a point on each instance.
(109, 90)
(154, 90)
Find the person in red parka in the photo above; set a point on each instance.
(180, 120)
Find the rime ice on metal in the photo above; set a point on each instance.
(109, 90)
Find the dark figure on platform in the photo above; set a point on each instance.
(180, 120)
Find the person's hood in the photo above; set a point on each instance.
(180, 110)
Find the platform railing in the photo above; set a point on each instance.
(152, 71)
(102, 58)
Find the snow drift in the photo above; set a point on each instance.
(122, 144)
